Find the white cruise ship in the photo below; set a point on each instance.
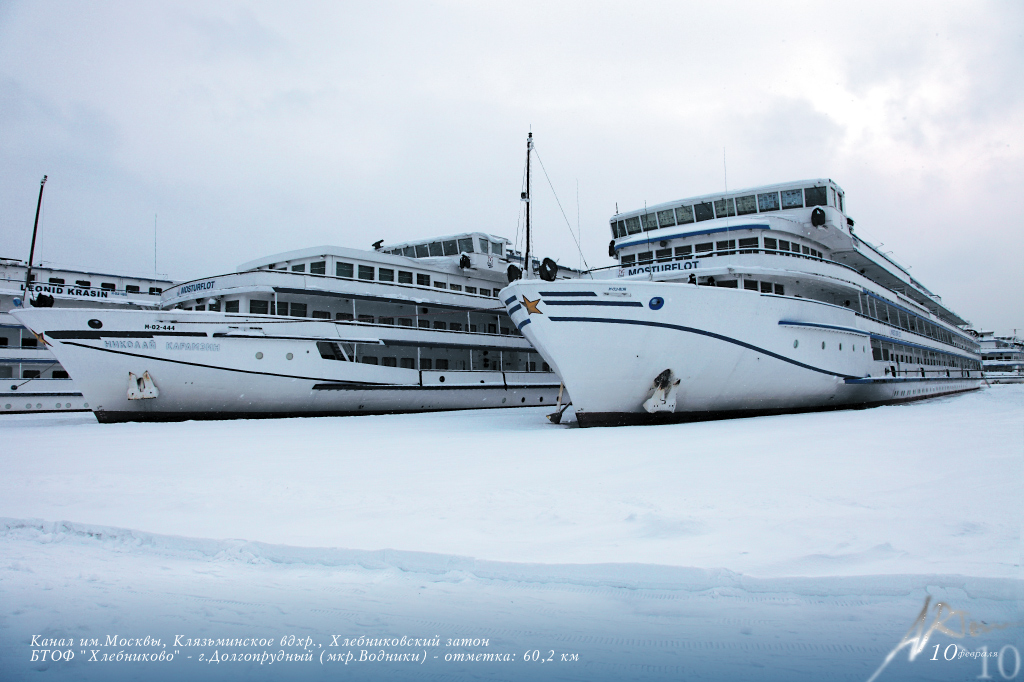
(741, 303)
(31, 378)
(1002, 358)
(408, 327)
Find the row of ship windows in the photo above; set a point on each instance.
(7, 372)
(1004, 357)
(897, 317)
(105, 286)
(723, 208)
(722, 248)
(448, 247)
(288, 309)
(370, 274)
(900, 354)
(345, 353)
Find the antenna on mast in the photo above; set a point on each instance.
(725, 171)
(32, 249)
(525, 196)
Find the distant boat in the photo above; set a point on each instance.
(751, 302)
(1002, 358)
(415, 326)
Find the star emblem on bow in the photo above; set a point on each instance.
(531, 306)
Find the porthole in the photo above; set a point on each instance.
(823, 345)
(523, 400)
(85, 404)
(503, 401)
(259, 356)
(541, 399)
(39, 406)
(840, 346)
(796, 342)
(68, 405)
(28, 406)
(289, 356)
(441, 379)
(7, 406)
(58, 406)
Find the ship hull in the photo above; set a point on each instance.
(734, 353)
(218, 366)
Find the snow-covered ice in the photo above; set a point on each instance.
(789, 547)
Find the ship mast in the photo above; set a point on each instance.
(526, 198)
(32, 249)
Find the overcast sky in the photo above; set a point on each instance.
(253, 128)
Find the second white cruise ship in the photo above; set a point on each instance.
(742, 303)
(416, 326)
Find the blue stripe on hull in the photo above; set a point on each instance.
(701, 332)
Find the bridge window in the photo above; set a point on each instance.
(386, 275)
(259, 307)
(301, 267)
(793, 198)
(704, 211)
(343, 270)
(466, 245)
(684, 214)
(435, 249)
(746, 205)
(483, 245)
(422, 251)
(404, 277)
(450, 247)
(409, 251)
(649, 222)
(318, 268)
(725, 208)
(666, 218)
(365, 272)
(497, 248)
(815, 196)
(769, 201)
(632, 225)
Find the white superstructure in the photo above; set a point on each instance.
(740, 303)
(31, 378)
(416, 326)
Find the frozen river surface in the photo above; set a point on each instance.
(790, 547)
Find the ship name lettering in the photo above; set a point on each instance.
(188, 345)
(130, 344)
(667, 267)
